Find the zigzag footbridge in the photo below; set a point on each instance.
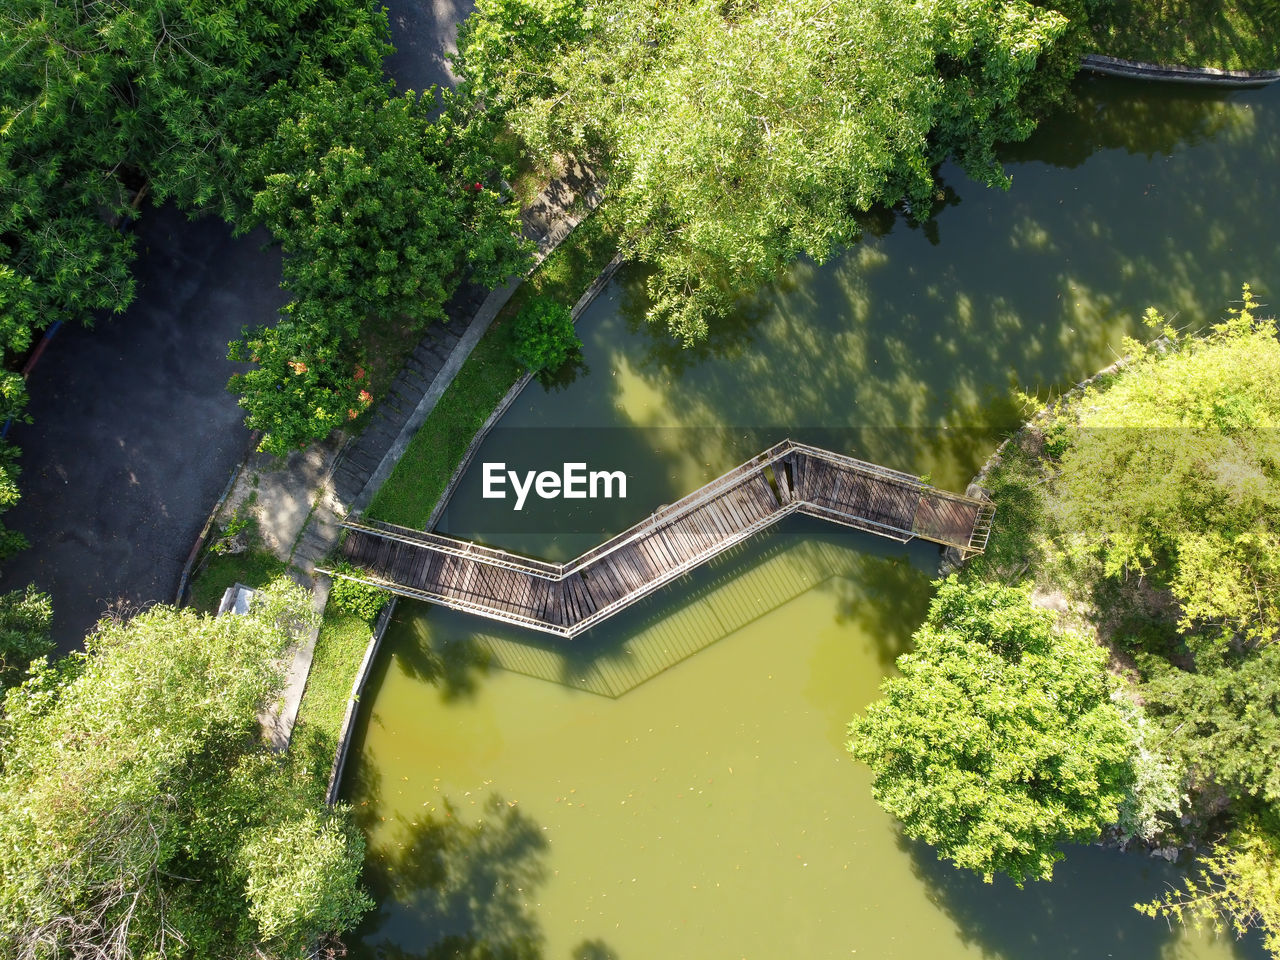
(566, 599)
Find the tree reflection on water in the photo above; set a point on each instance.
(460, 884)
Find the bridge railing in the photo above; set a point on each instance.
(466, 549)
(682, 507)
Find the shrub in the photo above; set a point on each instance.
(355, 598)
(544, 335)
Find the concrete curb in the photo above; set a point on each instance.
(1209, 76)
(353, 701)
(993, 461)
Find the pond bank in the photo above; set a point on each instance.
(1210, 76)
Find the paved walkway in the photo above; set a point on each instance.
(134, 434)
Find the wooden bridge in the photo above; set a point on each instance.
(567, 598)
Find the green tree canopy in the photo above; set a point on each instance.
(999, 740)
(272, 113)
(1170, 471)
(141, 815)
(736, 136)
(381, 205)
(97, 99)
(25, 616)
(1223, 722)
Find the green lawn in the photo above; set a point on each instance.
(1228, 34)
(216, 572)
(339, 650)
(411, 492)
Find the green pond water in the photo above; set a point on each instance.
(674, 783)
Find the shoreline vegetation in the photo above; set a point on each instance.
(1170, 461)
(1226, 35)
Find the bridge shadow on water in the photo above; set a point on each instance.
(881, 587)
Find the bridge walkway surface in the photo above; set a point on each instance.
(570, 598)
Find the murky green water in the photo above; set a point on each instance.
(705, 807)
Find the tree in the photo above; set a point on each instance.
(138, 802)
(1237, 885)
(102, 102)
(260, 113)
(98, 99)
(1224, 722)
(737, 136)
(381, 207)
(25, 616)
(1168, 472)
(999, 740)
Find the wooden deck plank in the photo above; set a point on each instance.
(560, 598)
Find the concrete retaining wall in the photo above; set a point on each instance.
(1211, 76)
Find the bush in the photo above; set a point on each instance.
(24, 633)
(998, 741)
(357, 599)
(544, 336)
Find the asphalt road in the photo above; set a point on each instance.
(134, 433)
(423, 31)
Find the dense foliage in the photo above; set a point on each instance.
(999, 740)
(736, 136)
(543, 337)
(1223, 722)
(260, 113)
(381, 207)
(25, 616)
(141, 815)
(99, 98)
(1170, 472)
(1150, 498)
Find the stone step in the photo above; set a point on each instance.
(431, 354)
(406, 396)
(416, 380)
(364, 461)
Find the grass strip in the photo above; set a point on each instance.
(253, 568)
(339, 649)
(1227, 34)
(410, 493)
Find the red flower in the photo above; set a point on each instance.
(351, 414)
(477, 188)
(359, 372)
(298, 367)
(366, 397)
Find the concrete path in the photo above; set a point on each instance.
(134, 433)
